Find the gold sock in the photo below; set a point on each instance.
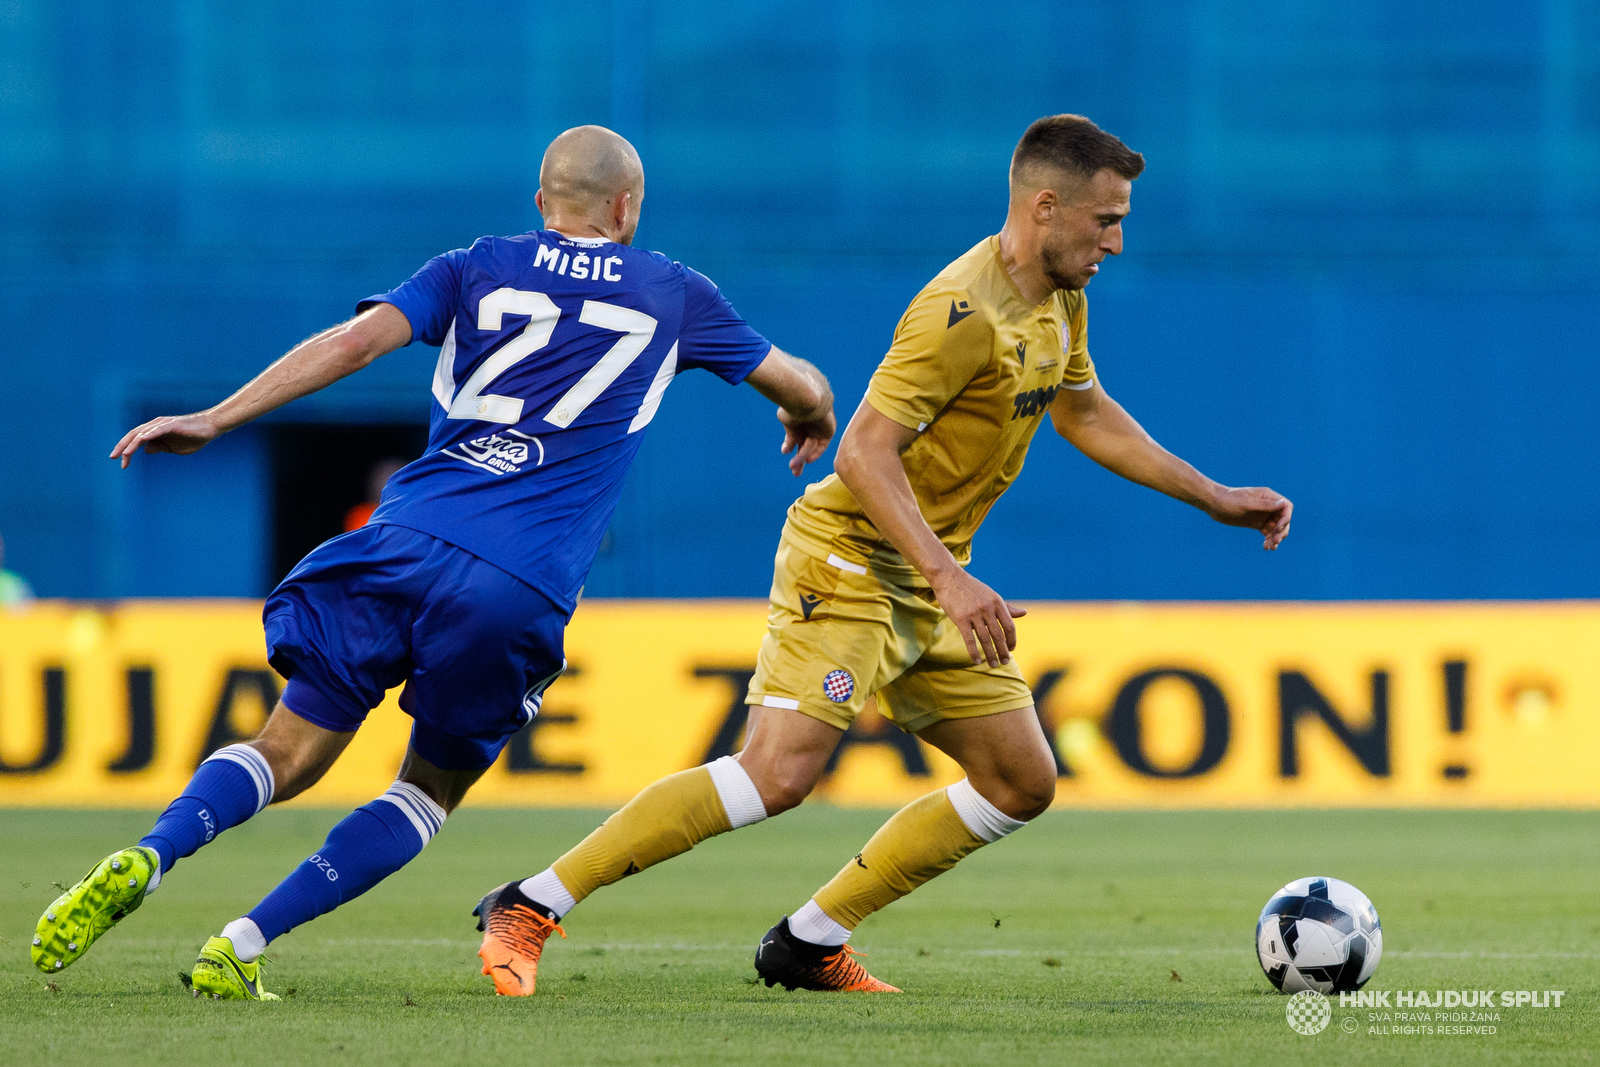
(664, 820)
(921, 841)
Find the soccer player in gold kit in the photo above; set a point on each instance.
(870, 596)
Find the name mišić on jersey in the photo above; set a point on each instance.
(583, 265)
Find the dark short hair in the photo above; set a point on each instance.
(1073, 143)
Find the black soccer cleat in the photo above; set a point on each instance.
(783, 959)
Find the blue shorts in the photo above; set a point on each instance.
(383, 605)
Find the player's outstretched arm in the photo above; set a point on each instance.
(1101, 429)
(310, 365)
(870, 466)
(805, 405)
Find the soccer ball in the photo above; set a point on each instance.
(1320, 934)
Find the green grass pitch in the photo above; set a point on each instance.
(1116, 938)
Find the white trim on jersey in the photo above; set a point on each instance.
(658, 389)
(444, 380)
(583, 242)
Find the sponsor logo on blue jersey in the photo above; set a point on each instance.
(498, 454)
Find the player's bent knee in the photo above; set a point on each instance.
(783, 796)
(446, 788)
(1035, 799)
(781, 789)
(1035, 782)
(1022, 793)
(785, 780)
(433, 790)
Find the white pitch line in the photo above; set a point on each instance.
(415, 942)
(1495, 955)
(636, 946)
(658, 946)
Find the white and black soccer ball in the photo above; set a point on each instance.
(1320, 934)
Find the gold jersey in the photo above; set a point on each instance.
(973, 369)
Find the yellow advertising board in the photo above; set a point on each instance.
(1170, 705)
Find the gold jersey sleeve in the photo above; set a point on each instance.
(940, 345)
(973, 368)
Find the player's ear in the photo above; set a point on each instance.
(1045, 203)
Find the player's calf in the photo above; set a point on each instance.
(366, 847)
(233, 784)
(920, 842)
(666, 819)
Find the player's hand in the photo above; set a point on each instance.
(178, 434)
(982, 616)
(808, 439)
(1257, 508)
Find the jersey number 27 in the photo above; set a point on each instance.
(636, 328)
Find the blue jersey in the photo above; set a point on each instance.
(555, 354)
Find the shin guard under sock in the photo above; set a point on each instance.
(920, 842)
(667, 819)
(371, 843)
(232, 784)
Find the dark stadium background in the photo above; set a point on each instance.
(1361, 267)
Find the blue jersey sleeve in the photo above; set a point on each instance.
(428, 298)
(713, 336)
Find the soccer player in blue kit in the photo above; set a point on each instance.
(557, 346)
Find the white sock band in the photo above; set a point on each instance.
(981, 817)
(418, 807)
(545, 888)
(255, 764)
(739, 796)
(812, 924)
(248, 942)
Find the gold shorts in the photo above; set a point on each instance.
(836, 637)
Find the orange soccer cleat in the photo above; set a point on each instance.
(783, 959)
(514, 932)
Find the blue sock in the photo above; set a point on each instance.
(371, 843)
(230, 786)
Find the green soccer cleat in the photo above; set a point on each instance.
(221, 975)
(112, 890)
